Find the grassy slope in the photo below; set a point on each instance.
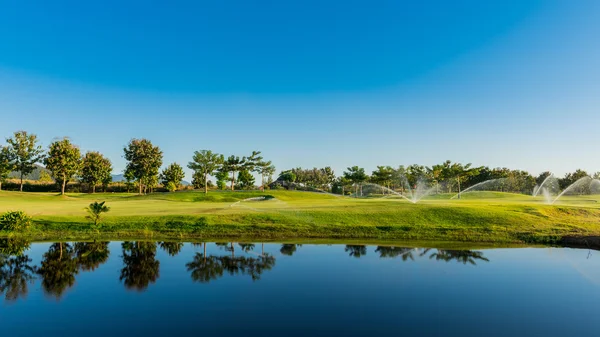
(478, 217)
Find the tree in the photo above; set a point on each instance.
(64, 161)
(24, 153)
(173, 174)
(45, 177)
(253, 161)
(383, 176)
(206, 163)
(435, 172)
(233, 164)
(96, 170)
(6, 164)
(222, 178)
(199, 183)
(264, 168)
(95, 211)
(144, 161)
(461, 172)
(357, 176)
(246, 179)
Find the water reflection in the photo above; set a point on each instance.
(62, 261)
(140, 266)
(58, 269)
(16, 274)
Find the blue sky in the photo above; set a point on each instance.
(310, 83)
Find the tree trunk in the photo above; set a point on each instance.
(94, 188)
(64, 183)
(458, 181)
(21, 188)
(232, 180)
(140, 183)
(0, 185)
(205, 183)
(263, 182)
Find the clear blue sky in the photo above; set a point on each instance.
(310, 83)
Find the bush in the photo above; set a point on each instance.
(171, 186)
(14, 221)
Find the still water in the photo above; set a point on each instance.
(252, 289)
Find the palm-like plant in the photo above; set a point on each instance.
(95, 211)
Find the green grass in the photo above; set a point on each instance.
(487, 217)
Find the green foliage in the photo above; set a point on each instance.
(96, 170)
(246, 180)
(144, 161)
(64, 161)
(233, 164)
(45, 177)
(222, 178)
(13, 246)
(172, 175)
(204, 163)
(95, 211)
(14, 221)
(6, 164)
(24, 152)
(171, 187)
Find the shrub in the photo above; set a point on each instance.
(171, 186)
(14, 221)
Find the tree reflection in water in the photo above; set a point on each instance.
(58, 269)
(205, 268)
(140, 265)
(356, 250)
(90, 255)
(463, 256)
(16, 271)
(63, 261)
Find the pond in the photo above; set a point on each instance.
(142, 288)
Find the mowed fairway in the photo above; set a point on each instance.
(477, 217)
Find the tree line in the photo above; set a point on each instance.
(65, 162)
(144, 161)
(447, 177)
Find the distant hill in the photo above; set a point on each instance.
(121, 178)
(35, 175)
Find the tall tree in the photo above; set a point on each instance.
(144, 161)
(206, 163)
(357, 175)
(172, 176)
(233, 164)
(435, 172)
(264, 168)
(96, 169)
(64, 161)
(24, 152)
(245, 179)
(222, 178)
(6, 164)
(383, 176)
(253, 160)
